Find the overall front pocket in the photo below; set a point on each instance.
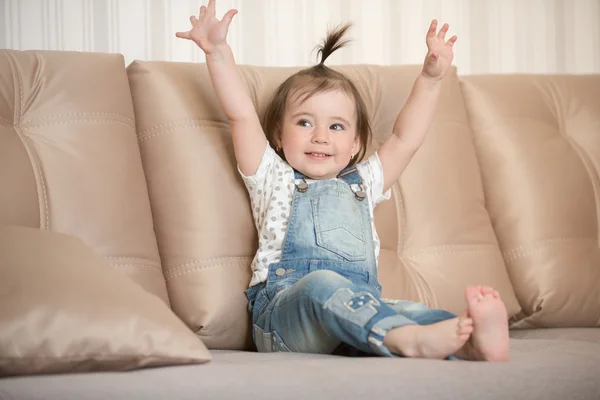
(339, 226)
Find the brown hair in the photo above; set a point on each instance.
(317, 79)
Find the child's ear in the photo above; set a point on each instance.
(277, 141)
(356, 146)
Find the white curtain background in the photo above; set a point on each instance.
(495, 36)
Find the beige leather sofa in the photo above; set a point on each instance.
(126, 234)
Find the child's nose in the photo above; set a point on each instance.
(321, 135)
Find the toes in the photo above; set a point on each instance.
(473, 293)
(464, 329)
(486, 290)
(467, 330)
(465, 321)
(464, 335)
(492, 296)
(479, 292)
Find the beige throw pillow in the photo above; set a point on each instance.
(64, 309)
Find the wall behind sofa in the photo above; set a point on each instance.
(495, 36)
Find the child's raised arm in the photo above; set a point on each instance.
(416, 116)
(210, 35)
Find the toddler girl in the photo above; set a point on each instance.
(314, 287)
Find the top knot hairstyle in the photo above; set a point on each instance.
(317, 79)
(333, 41)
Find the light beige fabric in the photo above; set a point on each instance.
(539, 369)
(538, 142)
(200, 207)
(64, 309)
(69, 160)
(437, 237)
(485, 190)
(436, 234)
(579, 334)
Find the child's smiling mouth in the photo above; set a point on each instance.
(318, 156)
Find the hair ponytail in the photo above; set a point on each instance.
(332, 42)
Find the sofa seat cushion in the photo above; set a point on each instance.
(539, 369)
(581, 334)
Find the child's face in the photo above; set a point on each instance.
(319, 135)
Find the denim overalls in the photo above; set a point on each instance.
(324, 291)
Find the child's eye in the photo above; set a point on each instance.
(304, 123)
(337, 127)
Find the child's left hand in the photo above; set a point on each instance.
(439, 55)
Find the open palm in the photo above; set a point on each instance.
(439, 55)
(207, 31)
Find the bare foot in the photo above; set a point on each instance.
(438, 340)
(490, 339)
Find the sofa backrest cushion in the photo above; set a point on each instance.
(69, 160)
(538, 144)
(436, 233)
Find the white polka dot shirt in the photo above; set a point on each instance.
(271, 190)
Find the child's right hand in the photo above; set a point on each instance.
(207, 31)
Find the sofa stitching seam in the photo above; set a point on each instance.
(143, 139)
(183, 121)
(169, 275)
(156, 267)
(33, 156)
(439, 251)
(187, 264)
(79, 114)
(455, 246)
(83, 120)
(526, 250)
(15, 68)
(44, 222)
(147, 260)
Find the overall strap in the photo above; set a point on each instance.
(349, 175)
